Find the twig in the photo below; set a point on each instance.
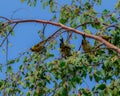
(27, 11)
(79, 47)
(5, 18)
(7, 51)
(54, 34)
(98, 46)
(44, 27)
(86, 23)
(7, 35)
(105, 25)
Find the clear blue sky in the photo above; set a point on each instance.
(26, 34)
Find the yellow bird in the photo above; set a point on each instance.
(64, 49)
(107, 38)
(39, 47)
(86, 46)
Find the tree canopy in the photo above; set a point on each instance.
(80, 58)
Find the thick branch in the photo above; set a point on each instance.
(109, 45)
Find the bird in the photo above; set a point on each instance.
(107, 38)
(86, 45)
(39, 47)
(64, 49)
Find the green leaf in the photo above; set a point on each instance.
(1, 83)
(45, 4)
(101, 86)
(11, 62)
(87, 31)
(96, 77)
(17, 59)
(25, 59)
(105, 11)
(29, 93)
(87, 5)
(103, 73)
(1, 67)
(62, 64)
(21, 68)
(50, 1)
(27, 84)
(50, 55)
(12, 33)
(63, 21)
(9, 69)
(22, 1)
(113, 17)
(91, 76)
(117, 6)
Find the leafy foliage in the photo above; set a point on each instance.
(45, 73)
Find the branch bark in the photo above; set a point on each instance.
(109, 45)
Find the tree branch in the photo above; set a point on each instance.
(7, 35)
(109, 45)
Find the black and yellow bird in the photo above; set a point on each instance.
(64, 49)
(40, 47)
(107, 38)
(86, 45)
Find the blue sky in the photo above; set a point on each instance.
(26, 34)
